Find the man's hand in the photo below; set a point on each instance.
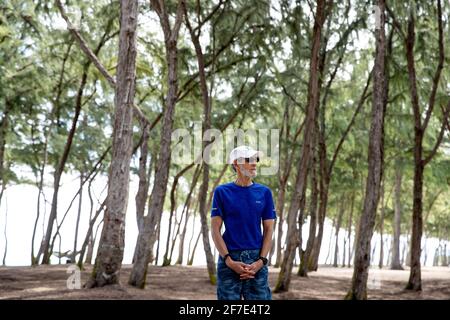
(244, 270)
(255, 267)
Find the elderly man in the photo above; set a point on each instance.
(243, 206)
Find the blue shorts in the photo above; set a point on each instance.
(231, 287)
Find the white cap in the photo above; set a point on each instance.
(243, 152)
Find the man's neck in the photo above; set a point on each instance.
(244, 181)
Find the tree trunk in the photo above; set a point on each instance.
(47, 132)
(298, 196)
(110, 251)
(6, 225)
(349, 231)
(415, 280)
(280, 211)
(146, 238)
(187, 212)
(88, 239)
(358, 288)
(90, 246)
(205, 153)
(173, 207)
(141, 195)
(80, 201)
(303, 269)
(380, 263)
(58, 173)
(330, 240)
(444, 258)
(395, 264)
(191, 259)
(338, 228)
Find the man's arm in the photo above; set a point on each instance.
(237, 266)
(267, 242)
(267, 236)
(216, 224)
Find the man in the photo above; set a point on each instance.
(243, 206)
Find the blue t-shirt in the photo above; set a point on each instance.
(242, 210)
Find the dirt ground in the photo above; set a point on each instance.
(191, 283)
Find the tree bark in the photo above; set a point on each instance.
(358, 288)
(110, 252)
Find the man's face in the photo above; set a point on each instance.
(246, 166)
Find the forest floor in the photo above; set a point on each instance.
(181, 282)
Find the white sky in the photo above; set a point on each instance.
(21, 200)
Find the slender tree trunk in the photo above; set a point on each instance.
(280, 211)
(338, 228)
(80, 201)
(58, 174)
(192, 236)
(395, 264)
(141, 195)
(90, 247)
(303, 269)
(206, 126)
(191, 259)
(146, 238)
(173, 207)
(330, 240)
(415, 279)
(349, 231)
(47, 132)
(5, 235)
(186, 209)
(89, 239)
(110, 252)
(444, 255)
(380, 263)
(358, 288)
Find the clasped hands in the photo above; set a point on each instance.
(245, 271)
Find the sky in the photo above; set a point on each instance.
(20, 203)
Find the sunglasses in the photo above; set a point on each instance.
(251, 160)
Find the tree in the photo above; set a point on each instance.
(298, 197)
(420, 128)
(358, 288)
(111, 246)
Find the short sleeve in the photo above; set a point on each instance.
(269, 208)
(217, 208)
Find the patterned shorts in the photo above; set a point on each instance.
(231, 287)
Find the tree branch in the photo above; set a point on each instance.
(349, 126)
(445, 114)
(395, 22)
(91, 55)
